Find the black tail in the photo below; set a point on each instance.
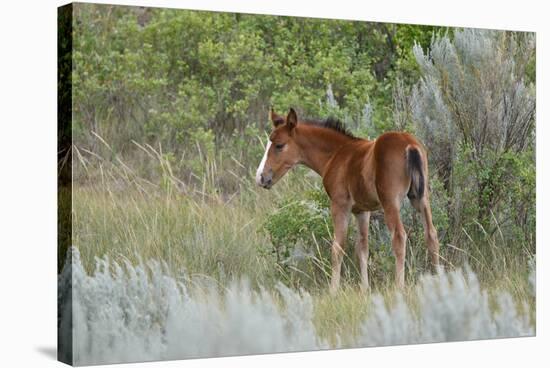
(414, 168)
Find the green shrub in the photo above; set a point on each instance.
(305, 221)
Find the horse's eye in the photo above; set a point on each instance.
(279, 146)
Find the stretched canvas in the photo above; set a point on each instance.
(234, 184)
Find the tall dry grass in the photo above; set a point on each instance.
(210, 240)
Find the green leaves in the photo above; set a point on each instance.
(182, 70)
(300, 220)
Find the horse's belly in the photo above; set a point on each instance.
(365, 197)
(365, 206)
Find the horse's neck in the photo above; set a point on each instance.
(319, 145)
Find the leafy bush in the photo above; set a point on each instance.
(474, 108)
(300, 231)
(300, 221)
(159, 75)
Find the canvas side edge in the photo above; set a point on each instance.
(64, 183)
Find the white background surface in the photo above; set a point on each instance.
(28, 181)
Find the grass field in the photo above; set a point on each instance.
(210, 240)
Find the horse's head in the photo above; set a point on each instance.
(281, 151)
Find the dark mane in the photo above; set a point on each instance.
(332, 124)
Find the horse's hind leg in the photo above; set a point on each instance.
(340, 217)
(422, 205)
(399, 239)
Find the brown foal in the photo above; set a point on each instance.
(359, 176)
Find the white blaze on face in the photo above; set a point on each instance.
(262, 164)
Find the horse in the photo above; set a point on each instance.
(359, 176)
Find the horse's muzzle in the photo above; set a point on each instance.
(266, 181)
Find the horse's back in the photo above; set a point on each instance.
(393, 142)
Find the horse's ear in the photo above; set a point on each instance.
(276, 119)
(291, 119)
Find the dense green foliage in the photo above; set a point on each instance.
(175, 102)
(182, 77)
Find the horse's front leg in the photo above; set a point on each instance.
(340, 218)
(362, 247)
